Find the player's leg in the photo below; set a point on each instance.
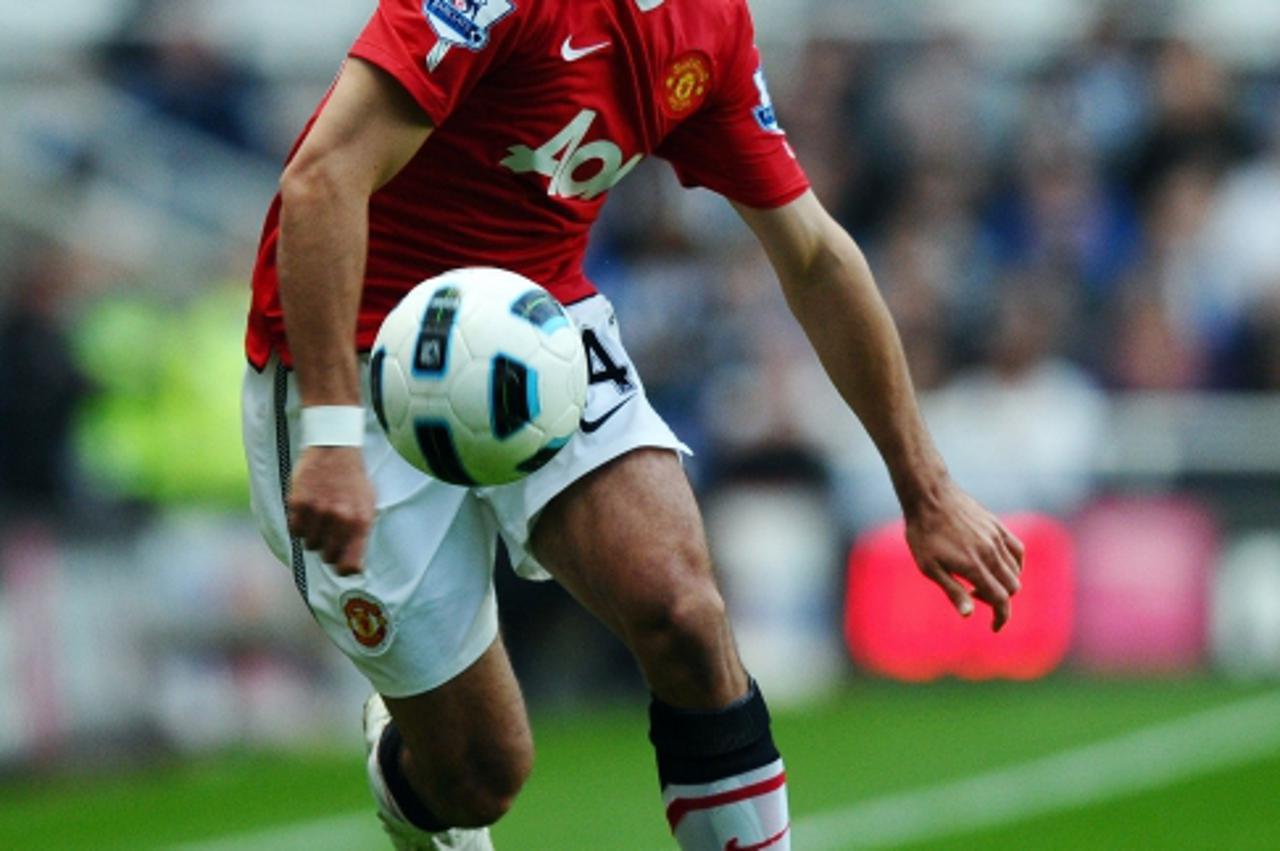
(459, 747)
(612, 516)
(453, 757)
(420, 623)
(627, 541)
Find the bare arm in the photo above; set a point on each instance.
(829, 288)
(831, 292)
(367, 132)
(369, 129)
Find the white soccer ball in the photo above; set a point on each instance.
(478, 376)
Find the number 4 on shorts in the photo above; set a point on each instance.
(601, 366)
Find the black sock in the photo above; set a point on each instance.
(702, 747)
(406, 799)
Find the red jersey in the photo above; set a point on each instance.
(540, 107)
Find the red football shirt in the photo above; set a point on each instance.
(540, 106)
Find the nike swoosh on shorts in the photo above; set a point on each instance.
(594, 425)
(573, 54)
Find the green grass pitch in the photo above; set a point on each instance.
(594, 788)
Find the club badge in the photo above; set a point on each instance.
(686, 83)
(367, 621)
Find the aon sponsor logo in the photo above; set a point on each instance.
(565, 156)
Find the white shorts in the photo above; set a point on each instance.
(423, 610)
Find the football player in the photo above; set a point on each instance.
(488, 133)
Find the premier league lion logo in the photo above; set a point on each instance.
(465, 23)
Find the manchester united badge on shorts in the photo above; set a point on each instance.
(367, 619)
(686, 83)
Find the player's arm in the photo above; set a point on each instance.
(829, 288)
(366, 133)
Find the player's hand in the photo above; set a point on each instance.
(331, 505)
(954, 538)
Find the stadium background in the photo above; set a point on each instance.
(1073, 209)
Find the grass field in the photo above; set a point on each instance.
(1060, 764)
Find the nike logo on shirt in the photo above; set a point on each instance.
(573, 54)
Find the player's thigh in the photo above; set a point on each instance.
(627, 540)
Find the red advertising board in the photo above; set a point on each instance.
(900, 625)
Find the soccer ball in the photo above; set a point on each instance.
(478, 377)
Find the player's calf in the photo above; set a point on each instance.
(408, 825)
(474, 794)
(627, 541)
(453, 759)
(723, 782)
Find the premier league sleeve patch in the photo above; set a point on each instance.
(766, 115)
(462, 23)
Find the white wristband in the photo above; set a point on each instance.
(333, 425)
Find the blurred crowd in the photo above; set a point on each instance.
(1101, 219)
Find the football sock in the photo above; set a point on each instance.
(723, 782)
(411, 806)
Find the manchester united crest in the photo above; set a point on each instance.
(686, 83)
(367, 620)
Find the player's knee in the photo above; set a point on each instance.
(475, 783)
(697, 615)
(480, 794)
(478, 804)
(679, 621)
